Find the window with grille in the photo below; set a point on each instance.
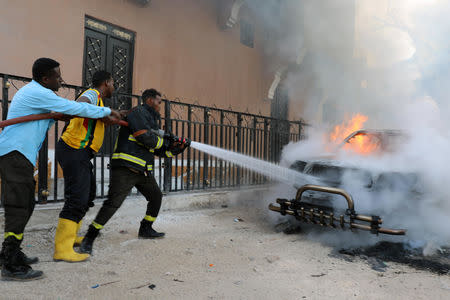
(247, 33)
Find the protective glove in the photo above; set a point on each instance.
(180, 144)
(168, 140)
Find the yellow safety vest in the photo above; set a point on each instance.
(82, 132)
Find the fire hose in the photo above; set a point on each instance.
(56, 116)
(45, 116)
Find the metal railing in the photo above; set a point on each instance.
(254, 135)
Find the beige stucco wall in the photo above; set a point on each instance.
(179, 48)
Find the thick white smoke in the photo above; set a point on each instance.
(389, 60)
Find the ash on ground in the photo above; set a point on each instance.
(401, 253)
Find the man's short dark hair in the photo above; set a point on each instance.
(99, 77)
(43, 67)
(150, 93)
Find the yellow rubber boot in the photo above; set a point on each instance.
(64, 239)
(78, 239)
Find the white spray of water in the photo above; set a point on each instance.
(272, 171)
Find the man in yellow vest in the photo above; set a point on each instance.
(81, 139)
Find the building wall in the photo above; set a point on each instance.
(179, 48)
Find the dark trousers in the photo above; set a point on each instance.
(122, 180)
(79, 180)
(18, 185)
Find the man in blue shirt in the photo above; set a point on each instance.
(19, 147)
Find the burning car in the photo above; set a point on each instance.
(317, 203)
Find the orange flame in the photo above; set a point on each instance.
(362, 143)
(340, 132)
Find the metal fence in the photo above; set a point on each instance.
(254, 135)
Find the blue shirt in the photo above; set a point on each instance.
(33, 98)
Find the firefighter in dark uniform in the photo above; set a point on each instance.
(132, 166)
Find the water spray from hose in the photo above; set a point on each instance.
(272, 171)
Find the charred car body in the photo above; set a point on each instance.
(317, 203)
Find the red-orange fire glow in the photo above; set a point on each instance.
(361, 143)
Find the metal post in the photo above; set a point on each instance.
(188, 156)
(216, 143)
(222, 116)
(43, 172)
(176, 160)
(167, 160)
(266, 130)
(253, 140)
(286, 140)
(5, 97)
(239, 145)
(265, 143)
(300, 129)
(206, 141)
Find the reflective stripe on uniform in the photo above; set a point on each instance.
(160, 143)
(96, 225)
(133, 139)
(150, 218)
(169, 154)
(149, 168)
(129, 158)
(17, 236)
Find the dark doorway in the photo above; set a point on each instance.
(280, 129)
(111, 48)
